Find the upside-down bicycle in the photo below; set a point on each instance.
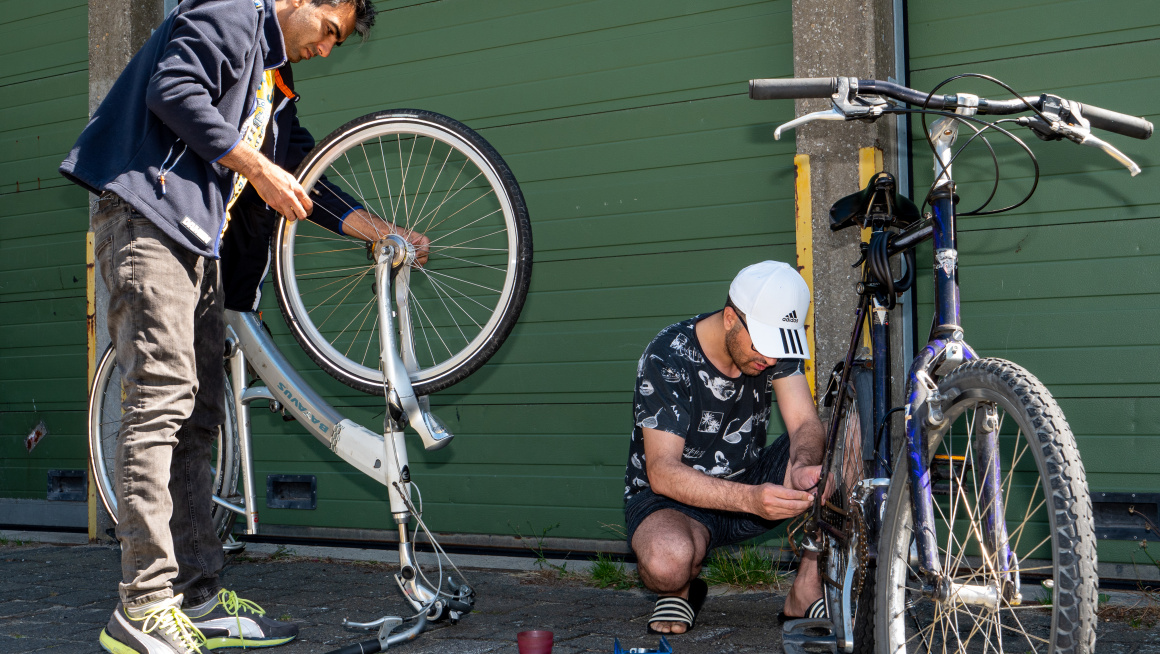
(928, 542)
(374, 319)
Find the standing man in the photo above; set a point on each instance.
(200, 127)
(699, 474)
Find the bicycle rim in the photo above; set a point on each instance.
(105, 400)
(425, 173)
(1050, 538)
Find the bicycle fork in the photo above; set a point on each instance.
(924, 416)
(381, 457)
(393, 259)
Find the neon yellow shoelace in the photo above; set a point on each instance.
(173, 623)
(233, 604)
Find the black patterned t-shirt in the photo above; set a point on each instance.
(723, 420)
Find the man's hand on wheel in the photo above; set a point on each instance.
(369, 227)
(803, 478)
(277, 187)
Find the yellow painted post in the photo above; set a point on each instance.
(869, 163)
(91, 314)
(805, 256)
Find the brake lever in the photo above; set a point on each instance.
(1109, 149)
(828, 114)
(1067, 121)
(846, 105)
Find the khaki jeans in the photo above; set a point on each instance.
(165, 319)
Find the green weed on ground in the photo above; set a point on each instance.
(747, 566)
(535, 542)
(607, 572)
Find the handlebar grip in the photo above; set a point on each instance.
(1114, 121)
(791, 88)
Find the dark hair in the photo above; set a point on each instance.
(364, 14)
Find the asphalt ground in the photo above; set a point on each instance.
(57, 597)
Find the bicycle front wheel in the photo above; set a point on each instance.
(425, 173)
(1043, 598)
(105, 399)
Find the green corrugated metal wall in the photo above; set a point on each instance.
(43, 106)
(1069, 284)
(650, 179)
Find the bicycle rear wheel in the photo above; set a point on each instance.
(430, 174)
(105, 423)
(847, 570)
(1049, 527)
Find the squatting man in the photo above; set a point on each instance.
(700, 474)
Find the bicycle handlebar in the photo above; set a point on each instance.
(825, 87)
(1114, 121)
(791, 88)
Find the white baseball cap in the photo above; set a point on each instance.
(774, 298)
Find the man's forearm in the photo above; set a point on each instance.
(244, 160)
(276, 186)
(806, 445)
(688, 486)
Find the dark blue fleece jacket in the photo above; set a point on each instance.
(177, 109)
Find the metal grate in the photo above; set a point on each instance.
(291, 492)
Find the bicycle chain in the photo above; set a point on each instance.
(863, 547)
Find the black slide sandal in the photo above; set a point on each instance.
(817, 611)
(679, 609)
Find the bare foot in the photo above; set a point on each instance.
(796, 607)
(669, 627)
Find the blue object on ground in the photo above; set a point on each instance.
(662, 648)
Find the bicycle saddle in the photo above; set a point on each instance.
(878, 201)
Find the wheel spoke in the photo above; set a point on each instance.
(431, 190)
(378, 195)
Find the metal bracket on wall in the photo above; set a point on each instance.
(1126, 516)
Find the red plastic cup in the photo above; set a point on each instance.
(534, 642)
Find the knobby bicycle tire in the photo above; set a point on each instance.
(104, 419)
(1048, 516)
(447, 182)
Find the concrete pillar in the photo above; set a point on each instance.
(853, 38)
(117, 29)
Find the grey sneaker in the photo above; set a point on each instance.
(163, 629)
(230, 621)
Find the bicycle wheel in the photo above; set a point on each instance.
(1049, 527)
(105, 423)
(847, 569)
(427, 173)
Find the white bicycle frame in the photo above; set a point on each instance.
(382, 457)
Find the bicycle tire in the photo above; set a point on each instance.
(1062, 517)
(103, 428)
(848, 465)
(311, 268)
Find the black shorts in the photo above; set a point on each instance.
(725, 527)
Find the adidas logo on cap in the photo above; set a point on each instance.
(790, 317)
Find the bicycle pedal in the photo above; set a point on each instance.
(808, 635)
